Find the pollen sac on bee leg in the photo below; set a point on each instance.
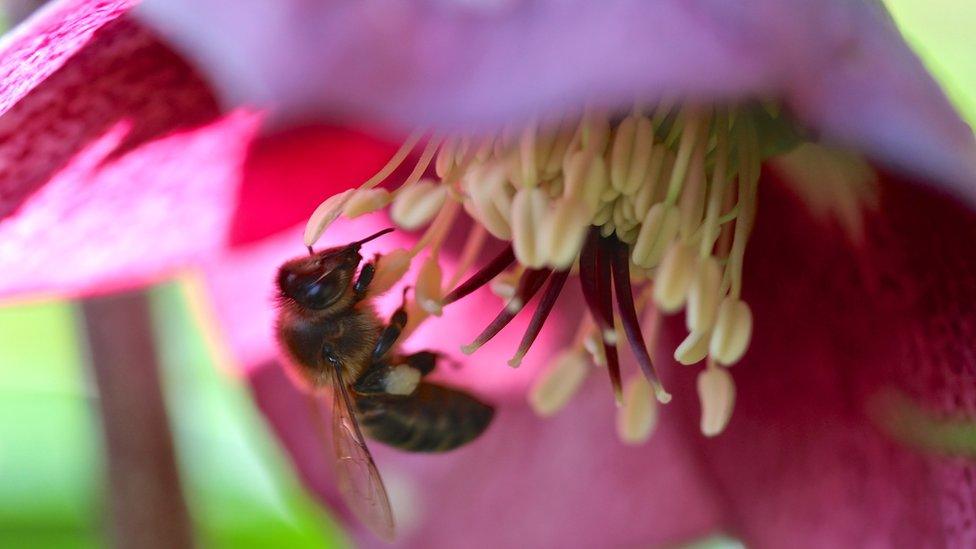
(401, 380)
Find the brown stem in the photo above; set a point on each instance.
(146, 506)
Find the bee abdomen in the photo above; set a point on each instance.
(432, 419)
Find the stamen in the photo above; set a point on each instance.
(593, 344)
(703, 296)
(560, 147)
(484, 186)
(652, 187)
(389, 270)
(716, 391)
(548, 300)
(445, 157)
(423, 163)
(529, 284)
(472, 247)
(674, 277)
(689, 137)
(562, 378)
(733, 329)
(637, 417)
(527, 157)
(492, 269)
(365, 201)
(528, 214)
(438, 230)
(652, 200)
(415, 205)
(692, 201)
(586, 177)
(748, 179)
(562, 233)
(693, 349)
(323, 216)
(505, 284)
(427, 292)
(716, 193)
(659, 229)
(329, 210)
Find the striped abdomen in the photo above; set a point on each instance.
(432, 419)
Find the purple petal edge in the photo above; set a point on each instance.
(840, 65)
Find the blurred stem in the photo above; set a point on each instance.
(146, 504)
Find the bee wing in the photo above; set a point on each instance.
(359, 480)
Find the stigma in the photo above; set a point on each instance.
(652, 210)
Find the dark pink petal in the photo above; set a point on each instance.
(840, 65)
(116, 166)
(802, 463)
(528, 482)
(108, 143)
(287, 174)
(32, 52)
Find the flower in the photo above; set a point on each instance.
(802, 461)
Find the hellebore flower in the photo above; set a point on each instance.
(842, 313)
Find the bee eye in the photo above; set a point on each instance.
(311, 290)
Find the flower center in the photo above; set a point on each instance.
(654, 209)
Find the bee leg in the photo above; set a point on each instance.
(365, 277)
(329, 355)
(373, 380)
(392, 331)
(424, 361)
(394, 377)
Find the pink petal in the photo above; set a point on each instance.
(32, 52)
(802, 463)
(287, 174)
(840, 65)
(116, 167)
(114, 163)
(528, 482)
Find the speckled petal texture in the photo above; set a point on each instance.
(108, 144)
(116, 166)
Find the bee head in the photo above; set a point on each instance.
(321, 279)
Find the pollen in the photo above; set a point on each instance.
(651, 210)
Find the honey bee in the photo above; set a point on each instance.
(333, 338)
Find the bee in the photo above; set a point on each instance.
(333, 338)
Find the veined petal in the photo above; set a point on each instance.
(116, 165)
(837, 328)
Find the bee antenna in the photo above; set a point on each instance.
(310, 250)
(373, 236)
